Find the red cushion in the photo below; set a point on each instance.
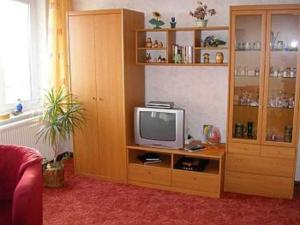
(21, 186)
(5, 212)
(13, 161)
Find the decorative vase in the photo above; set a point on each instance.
(54, 176)
(219, 57)
(201, 23)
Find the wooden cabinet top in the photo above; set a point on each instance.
(210, 152)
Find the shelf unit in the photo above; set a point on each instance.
(263, 163)
(169, 37)
(165, 176)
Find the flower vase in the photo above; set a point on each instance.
(201, 23)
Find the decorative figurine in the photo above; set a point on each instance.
(155, 45)
(149, 42)
(161, 59)
(219, 57)
(148, 57)
(156, 20)
(212, 41)
(173, 22)
(160, 45)
(206, 58)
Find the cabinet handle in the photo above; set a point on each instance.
(100, 99)
(94, 98)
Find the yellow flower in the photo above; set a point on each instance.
(156, 14)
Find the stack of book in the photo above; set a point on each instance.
(150, 158)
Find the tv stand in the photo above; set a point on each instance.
(165, 176)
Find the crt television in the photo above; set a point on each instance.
(159, 127)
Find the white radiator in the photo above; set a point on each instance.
(23, 133)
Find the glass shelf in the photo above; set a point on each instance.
(247, 50)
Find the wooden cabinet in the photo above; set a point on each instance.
(165, 175)
(109, 84)
(263, 121)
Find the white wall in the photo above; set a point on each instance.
(202, 91)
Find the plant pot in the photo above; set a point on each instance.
(201, 23)
(54, 175)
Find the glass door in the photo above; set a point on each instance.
(247, 76)
(282, 78)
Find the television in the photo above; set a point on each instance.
(159, 127)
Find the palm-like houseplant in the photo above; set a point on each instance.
(62, 114)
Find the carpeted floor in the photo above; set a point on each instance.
(85, 201)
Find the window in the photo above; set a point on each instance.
(19, 54)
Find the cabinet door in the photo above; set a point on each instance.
(110, 93)
(246, 76)
(83, 84)
(282, 78)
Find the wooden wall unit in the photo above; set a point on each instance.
(170, 36)
(165, 176)
(263, 161)
(108, 83)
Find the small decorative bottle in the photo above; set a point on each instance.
(19, 106)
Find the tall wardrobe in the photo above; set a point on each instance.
(109, 84)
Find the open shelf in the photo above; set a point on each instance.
(182, 37)
(183, 29)
(153, 49)
(182, 64)
(133, 159)
(211, 168)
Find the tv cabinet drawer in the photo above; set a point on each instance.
(272, 186)
(149, 174)
(245, 149)
(260, 165)
(195, 181)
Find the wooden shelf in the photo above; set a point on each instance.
(164, 164)
(210, 152)
(184, 29)
(211, 48)
(169, 36)
(153, 49)
(176, 64)
(211, 169)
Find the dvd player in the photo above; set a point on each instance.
(159, 104)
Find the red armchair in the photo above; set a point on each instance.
(20, 186)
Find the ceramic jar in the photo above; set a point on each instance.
(219, 57)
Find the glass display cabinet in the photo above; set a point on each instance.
(281, 89)
(263, 117)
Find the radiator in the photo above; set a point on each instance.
(23, 133)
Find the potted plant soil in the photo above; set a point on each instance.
(62, 113)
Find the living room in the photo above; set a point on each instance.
(149, 112)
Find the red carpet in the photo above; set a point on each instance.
(85, 201)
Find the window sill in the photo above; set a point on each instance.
(24, 116)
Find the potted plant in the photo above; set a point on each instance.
(200, 14)
(61, 115)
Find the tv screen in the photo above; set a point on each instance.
(158, 125)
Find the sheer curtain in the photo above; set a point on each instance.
(57, 42)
